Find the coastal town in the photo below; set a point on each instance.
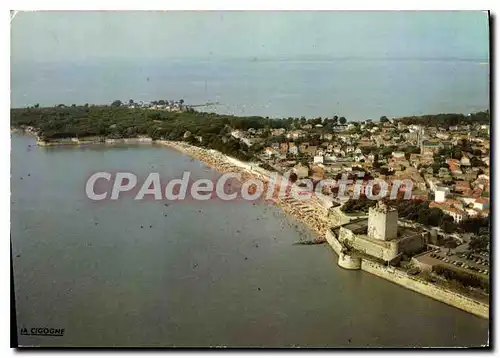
(435, 231)
(445, 218)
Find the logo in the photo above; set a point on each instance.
(109, 186)
(42, 331)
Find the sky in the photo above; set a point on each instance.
(95, 36)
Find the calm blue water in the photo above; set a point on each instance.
(358, 89)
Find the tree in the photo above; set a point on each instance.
(342, 120)
(36, 105)
(476, 225)
(130, 101)
(479, 243)
(384, 119)
(457, 154)
(476, 162)
(116, 103)
(316, 121)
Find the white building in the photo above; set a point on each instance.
(398, 155)
(318, 159)
(457, 214)
(440, 194)
(465, 161)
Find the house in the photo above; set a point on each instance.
(327, 136)
(444, 173)
(311, 150)
(238, 134)
(483, 184)
(457, 214)
(441, 135)
(330, 158)
(302, 171)
(398, 155)
(462, 186)
(339, 128)
(411, 137)
(472, 213)
(429, 147)
(365, 143)
(277, 132)
(318, 159)
(419, 195)
(320, 151)
(284, 148)
(296, 134)
(349, 149)
(440, 194)
(414, 159)
(465, 161)
(292, 148)
(482, 204)
(270, 151)
(360, 158)
(248, 141)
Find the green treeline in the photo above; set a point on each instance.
(446, 120)
(204, 129)
(463, 279)
(123, 122)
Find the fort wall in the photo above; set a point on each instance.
(401, 278)
(429, 289)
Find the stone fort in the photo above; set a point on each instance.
(380, 236)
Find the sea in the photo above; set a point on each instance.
(356, 88)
